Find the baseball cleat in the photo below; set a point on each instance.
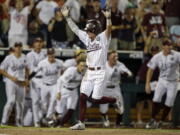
(78, 126)
(106, 123)
(37, 125)
(152, 124)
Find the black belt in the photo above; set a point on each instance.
(48, 84)
(39, 76)
(71, 89)
(93, 68)
(111, 87)
(27, 98)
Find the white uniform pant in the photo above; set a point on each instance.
(15, 96)
(168, 87)
(94, 82)
(36, 99)
(28, 114)
(28, 118)
(111, 92)
(48, 98)
(69, 99)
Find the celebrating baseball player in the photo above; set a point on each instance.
(13, 68)
(50, 69)
(168, 62)
(114, 69)
(94, 80)
(33, 58)
(67, 87)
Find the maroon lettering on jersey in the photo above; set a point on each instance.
(154, 23)
(93, 47)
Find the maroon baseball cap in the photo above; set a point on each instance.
(167, 42)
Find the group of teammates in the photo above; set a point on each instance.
(48, 84)
(42, 70)
(48, 69)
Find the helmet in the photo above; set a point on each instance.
(93, 26)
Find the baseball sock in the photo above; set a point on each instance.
(66, 117)
(166, 111)
(104, 100)
(155, 109)
(118, 119)
(82, 104)
(105, 116)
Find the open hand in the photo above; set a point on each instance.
(107, 13)
(65, 11)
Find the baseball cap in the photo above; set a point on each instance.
(50, 51)
(79, 51)
(167, 42)
(18, 44)
(37, 39)
(154, 48)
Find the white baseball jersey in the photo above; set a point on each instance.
(70, 79)
(168, 65)
(15, 66)
(46, 10)
(50, 71)
(18, 21)
(114, 73)
(96, 49)
(33, 59)
(68, 85)
(70, 63)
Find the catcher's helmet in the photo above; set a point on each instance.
(93, 26)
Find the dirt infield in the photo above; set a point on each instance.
(88, 131)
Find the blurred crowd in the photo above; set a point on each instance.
(137, 24)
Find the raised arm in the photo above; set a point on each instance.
(72, 25)
(107, 14)
(7, 5)
(31, 5)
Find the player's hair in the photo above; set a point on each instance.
(79, 61)
(111, 52)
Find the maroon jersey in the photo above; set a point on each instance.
(154, 22)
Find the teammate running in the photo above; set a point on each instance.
(114, 69)
(168, 63)
(67, 87)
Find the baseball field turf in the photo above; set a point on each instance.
(88, 131)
